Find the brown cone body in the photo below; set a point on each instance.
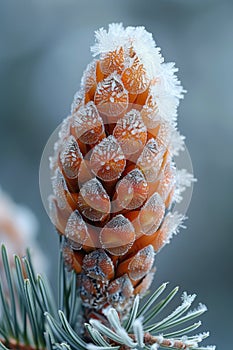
(113, 181)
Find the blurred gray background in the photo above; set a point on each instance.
(44, 47)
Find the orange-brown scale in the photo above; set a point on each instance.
(137, 266)
(134, 78)
(98, 265)
(92, 292)
(111, 98)
(72, 259)
(117, 236)
(113, 61)
(107, 160)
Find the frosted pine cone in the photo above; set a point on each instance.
(114, 178)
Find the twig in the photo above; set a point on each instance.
(14, 345)
(150, 340)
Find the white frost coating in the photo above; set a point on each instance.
(121, 333)
(132, 181)
(145, 48)
(160, 338)
(176, 142)
(200, 309)
(78, 97)
(91, 346)
(141, 263)
(130, 132)
(167, 104)
(114, 320)
(115, 228)
(169, 81)
(134, 177)
(111, 96)
(108, 149)
(59, 188)
(63, 133)
(193, 342)
(94, 187)
(167, 91)
(183, 180)
(138, 331)
(131, 37)
(65, 128)
(167, 88)
(108, 40)
(188, 298)
(87, 114)
(85, 121)
(76, 230)
(89, 73)
(133, 122)
(187, 302)
(154, 202)
(71, 157)
(155, 205)
(151, 159)
(171, 225)
(119, 222)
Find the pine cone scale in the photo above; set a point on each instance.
(114, 175)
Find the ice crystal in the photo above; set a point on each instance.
(151, 214)
(183, 180)
(131, 132)
(141, 263)
(88, 124)
(76, 230)
(107, 159)
(71, 157)
(59, 188)
(118, 235)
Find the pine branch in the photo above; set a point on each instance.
(24, 300)
(31, 320)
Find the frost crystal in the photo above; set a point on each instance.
(111, 97)
(108, 41)
(131, 132)
(167, 90)
(132, 190)
(59, 188)
(172, 223)
(88, 124)
(176, 142)
(107, 159)
(183, 180)
(141, 263)
(88, 78)
(98, 265)
(77, 101)
(76, 230)
(118, 235)
(151, 159)
(93, 200)
(151, 214)
(71, 157)
(138, 331)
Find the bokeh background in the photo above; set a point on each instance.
(44, 48)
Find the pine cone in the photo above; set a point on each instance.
(114, 178)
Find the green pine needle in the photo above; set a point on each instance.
(31, 318)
